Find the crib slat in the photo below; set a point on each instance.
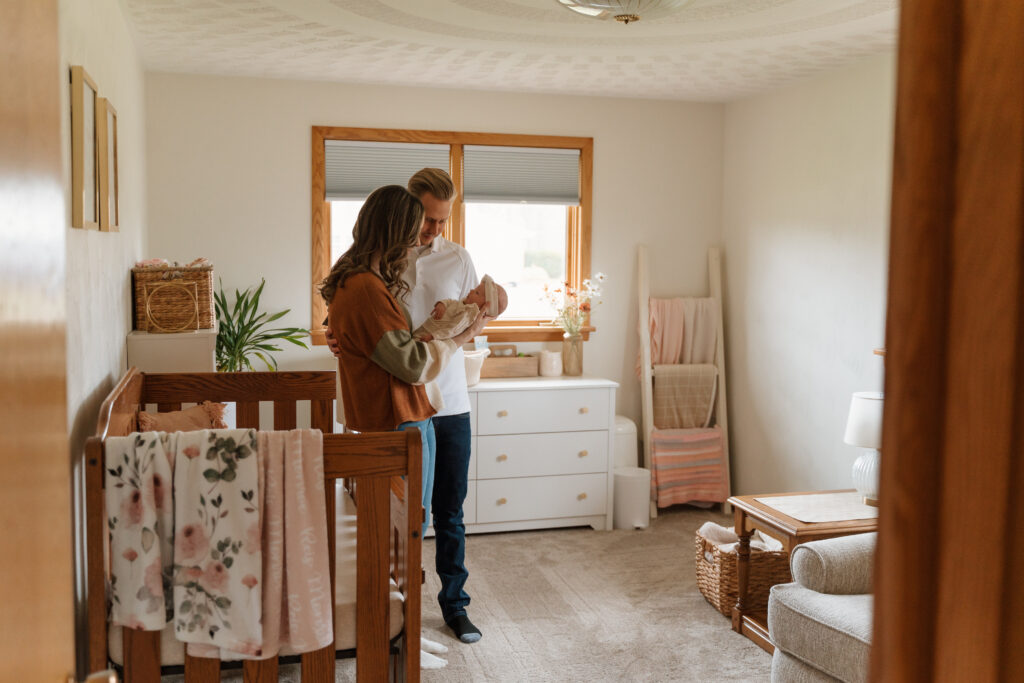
(284, 415)
(371, 578)
(95, 534)
(167, 407)
(318, 666)
(247, 415)
(321, 416)
(260, 671)
(201, 669)
(141, 656)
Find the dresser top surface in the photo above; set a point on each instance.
(535, 383)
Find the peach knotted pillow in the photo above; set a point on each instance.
(207, 415)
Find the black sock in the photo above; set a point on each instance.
(464, 629)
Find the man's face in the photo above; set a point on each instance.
(436, 216)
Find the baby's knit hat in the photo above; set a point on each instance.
(491, 293)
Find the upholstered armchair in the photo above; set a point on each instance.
(821, 623)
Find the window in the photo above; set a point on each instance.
(522, 211)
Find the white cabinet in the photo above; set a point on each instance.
(541, 453)
(192, 351)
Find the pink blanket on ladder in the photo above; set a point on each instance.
(688, 465)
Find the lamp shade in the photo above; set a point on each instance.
(864, 424)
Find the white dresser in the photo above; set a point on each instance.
(542, 453)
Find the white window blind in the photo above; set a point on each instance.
(356, 168)
(521, 174)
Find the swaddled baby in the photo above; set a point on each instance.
(451, 316)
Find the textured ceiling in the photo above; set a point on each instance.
(710, 50)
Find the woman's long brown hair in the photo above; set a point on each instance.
(388, 225)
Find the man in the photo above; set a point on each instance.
(439, 269)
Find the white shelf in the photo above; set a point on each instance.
(192, 351)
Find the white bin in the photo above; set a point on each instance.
(632, 507)
(632, 498)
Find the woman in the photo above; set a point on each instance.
(381, 367)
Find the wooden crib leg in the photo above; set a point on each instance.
(141, 656)
(261, 671)
(201, 669)
(318, 666)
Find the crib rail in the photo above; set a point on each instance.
(385, 467)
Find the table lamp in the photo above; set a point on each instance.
(864, 429)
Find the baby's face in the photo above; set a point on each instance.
(476, 296)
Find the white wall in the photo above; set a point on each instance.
(805, 226)
(95, 35)
(229, 179)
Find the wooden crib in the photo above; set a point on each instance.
(385, 469)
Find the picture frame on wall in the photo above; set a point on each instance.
(84, 158)
(106, 143)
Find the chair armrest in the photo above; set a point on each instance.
(840, 566)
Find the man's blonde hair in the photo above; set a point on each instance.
(436, 181)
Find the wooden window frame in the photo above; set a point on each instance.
(578, 228)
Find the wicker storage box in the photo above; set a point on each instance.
(718, 579)
(173, 298)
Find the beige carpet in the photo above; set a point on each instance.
(584, 605)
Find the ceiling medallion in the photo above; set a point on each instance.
(624, 11)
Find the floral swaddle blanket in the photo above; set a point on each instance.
(197, 555)
(140, 520)
(217, 561)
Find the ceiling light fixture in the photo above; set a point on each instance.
(624, 11)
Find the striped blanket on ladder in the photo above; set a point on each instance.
(688, 465)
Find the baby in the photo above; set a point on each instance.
(450, 316)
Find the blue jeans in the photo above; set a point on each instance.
(450, 482)
(426, 428)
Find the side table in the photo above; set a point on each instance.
(751, 513)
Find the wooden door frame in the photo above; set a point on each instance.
(952, 486)
(36, 584)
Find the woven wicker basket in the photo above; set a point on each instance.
(718, 579)
(173, 298)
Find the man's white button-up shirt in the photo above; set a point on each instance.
(442, 270)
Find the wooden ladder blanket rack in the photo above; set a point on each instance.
(646, 367)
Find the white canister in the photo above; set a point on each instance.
(550, 363)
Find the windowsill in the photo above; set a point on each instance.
(499, 333)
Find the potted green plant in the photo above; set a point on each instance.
(243, 331)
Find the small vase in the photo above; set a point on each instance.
(572, 354)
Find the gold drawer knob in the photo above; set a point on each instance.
(502, 501)
(584, 410)
(502, 458)
(584, 453)
(502, 413)
(582, 496)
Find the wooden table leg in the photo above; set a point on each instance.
(742, 569)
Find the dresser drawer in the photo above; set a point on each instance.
(474, 457)
(537, 455)
(509, 500)
(523, 412)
